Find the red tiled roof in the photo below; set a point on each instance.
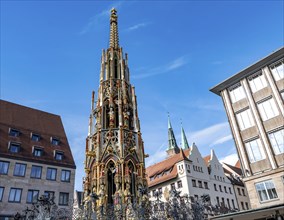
(207, 159)
(235, 169)
(238, 164)
(27, 121)
(169, 165)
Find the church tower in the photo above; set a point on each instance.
(115, 159)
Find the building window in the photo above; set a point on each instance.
(266, 190)
(268, 109)
(20, 169)
(63, 198)
(15, 195)
(218, 201)
(35, 137)
(237, 93)
(4, 167)
(58, 155)
(1, 193)
(193, 183)
(55, 141)
(257, 82)
(14, 147)
(277, 70)
(205, 185)
(195, 197)
(179, 183)
(14, 132)
(245, 119)
(65, 175)
(239, 191)
(255, 150)
(32, 196)
(277, 141)
(242, 204)
(200, 184)
(215, 187)
(220, 188)
(247, 205)
(51, 174)
(49, 194)
(233, 202)
(38, 152)
(243, 191)
(36, 172)
(160, 191)
(230, 190)
(225, 188)
(228, 201)
(173, 186)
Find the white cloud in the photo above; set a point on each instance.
(209, 135)
(223, 139)
(158, 156)
(230, 159)
(175, 64)
(95, 19)
(137, 26)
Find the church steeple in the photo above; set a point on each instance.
(172, 148)
(184, 143)
(113, 39)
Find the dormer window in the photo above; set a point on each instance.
(14, 147)
(54, 141)
(14, 132)
(58, 155)
(37, 151)
(35, 137)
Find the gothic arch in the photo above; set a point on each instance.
(110, 177)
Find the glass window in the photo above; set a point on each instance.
(14, 147)
(239, 191)
(230, 190)
(49, 194)
(205, 185)
(36, 172)
(65, 175)
(255, 150)
(215, 187)
(245, 119)
(220, 188)
(20, 169)
(173, 186)
(179, 183)
(237, 93)
(243, 191)
(32, 196)
(247, 205)
(233, 202)
(15, 195)
(51, 173)
(200, 184)
(257, 82)
(277, 141)
(38, 152)
(35, 137)
(55, 141)
(225, 189)
(58, 155)
(63, 198)
(268, 109)
(194, 183)
(266, 190)
(228, 201)
(14, 132)
(218, 201)
(278, 71)
(1, 193)
(4, 167)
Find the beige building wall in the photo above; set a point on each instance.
(27, 183)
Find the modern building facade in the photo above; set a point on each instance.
(35, 159)
(193, 175)
(253, 100)
(114, 161)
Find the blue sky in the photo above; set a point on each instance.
(178, 50)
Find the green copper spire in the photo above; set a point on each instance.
(171, 136)
(184, 143)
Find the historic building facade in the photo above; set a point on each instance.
(35, 159)
(187, 171)
(253, 100)
(114, 163)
